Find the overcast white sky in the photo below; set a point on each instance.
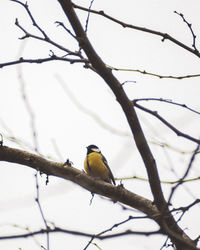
(65, 127)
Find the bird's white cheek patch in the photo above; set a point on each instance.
(96, 150)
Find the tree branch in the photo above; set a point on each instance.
(116, 193)
(159, 212)
(44, 39)
(32, 18)
(155, 113)
(179, 238)
(121, 97)
(162, 181)
(167, 101)
(72, 232)
(43, 60)
(144, 72)
(164, 36)
(191, 30)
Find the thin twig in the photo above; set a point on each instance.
(32, 18)
(42, 60)
(114, 226)
(65, 28)
(178, 132)
(27, 35)
(122, 222)
(185, 209)
(40, 208)
(162, 181)
(185, 174)
(128, 82)
(66, 231)
(167, 101)
(144, 72)
(88, 16)
(191, 30)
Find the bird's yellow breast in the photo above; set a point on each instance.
(95, 166)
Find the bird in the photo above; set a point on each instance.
(96, 165)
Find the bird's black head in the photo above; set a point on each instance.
(93, 148)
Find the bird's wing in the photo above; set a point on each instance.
(110, 172)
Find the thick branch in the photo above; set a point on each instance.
(70, 173)
(116, 193)
(121, 97)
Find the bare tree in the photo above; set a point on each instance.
(160, 210)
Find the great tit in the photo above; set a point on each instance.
(96, 165)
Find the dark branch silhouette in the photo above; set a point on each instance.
(66, 231)
(158, 209)
(164, 36)
(191, 30)
(167, 101)
(43, 60)
(155, 113)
